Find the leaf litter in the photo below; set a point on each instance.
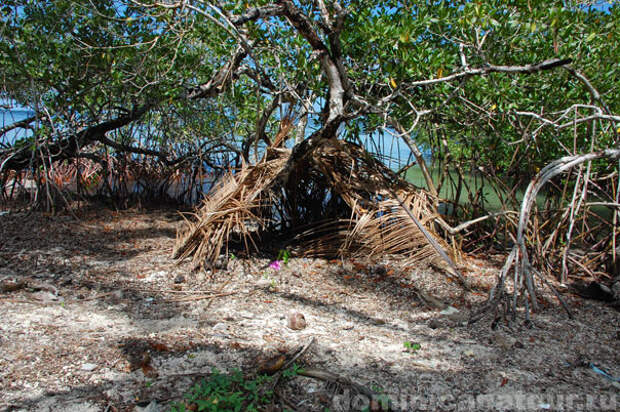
(94, 317)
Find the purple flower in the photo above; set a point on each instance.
(276, 265)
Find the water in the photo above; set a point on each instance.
(9, 117)
(475, 184)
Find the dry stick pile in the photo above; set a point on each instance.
(334, 203)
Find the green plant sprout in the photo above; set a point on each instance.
(411, 347)
(284, 255)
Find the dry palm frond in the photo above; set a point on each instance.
(335, 203)
(230, 209)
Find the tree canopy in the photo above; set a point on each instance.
(490, 75)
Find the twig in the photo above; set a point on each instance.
(200, 297)
(278, 375)
(298, 355)
(331, 377)
(102, 295)
(217, 292)
(31, 302)
(151, 290)
(555, 292)
(283, 398)
(454, 230)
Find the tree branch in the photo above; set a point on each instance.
(336, 90)
(527, 69)
(223, 76)
(68, 147)
(24, 124)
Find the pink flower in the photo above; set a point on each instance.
(276, 265)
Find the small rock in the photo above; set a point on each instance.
(179, 279)
(450, 310)
(519, 345)
(88, 367)
(45, 296)
(263, 282)
(378, 321)
(470, 353)
(151, 407)
(220, 327)
(296, 321)
(221, 263)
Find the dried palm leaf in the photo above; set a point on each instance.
(336, 202)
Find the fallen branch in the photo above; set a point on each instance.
(149, 290)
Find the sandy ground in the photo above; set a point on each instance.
(94, 315)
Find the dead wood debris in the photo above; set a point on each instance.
(335, 203)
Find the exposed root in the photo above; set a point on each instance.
(518, 261)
